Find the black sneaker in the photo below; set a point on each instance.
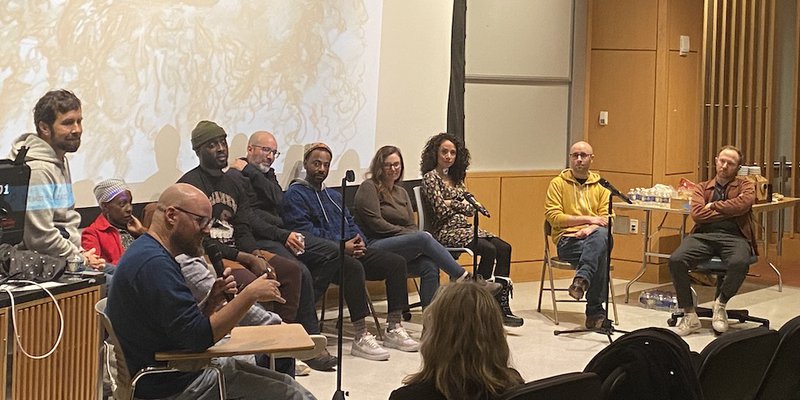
(322, 362)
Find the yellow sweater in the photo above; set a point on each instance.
(566, 197)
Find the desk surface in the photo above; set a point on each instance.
(760, 207)
(247, 340)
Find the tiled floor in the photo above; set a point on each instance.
(536, 352)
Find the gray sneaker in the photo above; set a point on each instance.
(689, 324)
(719, 317)
(399, 339)
(367, 347)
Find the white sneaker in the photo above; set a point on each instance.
(689, 324)
(399, 339)
(719, 318)
(367, 347)
(301, 369)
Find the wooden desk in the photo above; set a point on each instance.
(780, 206)
(247, 340)
(72, 371)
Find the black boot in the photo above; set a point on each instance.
(509, 319)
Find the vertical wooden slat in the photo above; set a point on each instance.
(711, 96)
(748, 147)
(739, 106)
(731, 134)
(795, 156)
(70, 372)
(769, 150)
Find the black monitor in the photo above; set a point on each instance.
(15, 176)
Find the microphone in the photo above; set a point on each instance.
(215, 255)
(606, 184)
(470, 198)
(350, 176)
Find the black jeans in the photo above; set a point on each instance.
(306, 308)
(495, 255)
(733, 250)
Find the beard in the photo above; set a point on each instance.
(193, 247)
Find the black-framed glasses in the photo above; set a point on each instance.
(268, 150)
(394, 165)
(201, 220)
(580, 155)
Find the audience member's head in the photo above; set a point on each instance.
(58, 119)
(580, 159)
(317, 162)
(447, 153)
(464, 349)
(210, 144)
(115, 201)
(262, 150)
(387, 166)
(728, 160)
(181, 219)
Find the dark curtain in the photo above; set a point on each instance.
(455, 102)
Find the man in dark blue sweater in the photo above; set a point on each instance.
(153, 310)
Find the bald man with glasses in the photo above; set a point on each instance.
(577, 209)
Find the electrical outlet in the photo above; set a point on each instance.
(634, 226)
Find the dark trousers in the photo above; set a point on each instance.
(495, 256)
(306, 312)
(289, 273)
(323, 261)
(380, 265)
(733, 250)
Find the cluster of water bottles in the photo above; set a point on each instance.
(656, 196)
(659, 300)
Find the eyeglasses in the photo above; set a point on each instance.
(394, 165)
(202, 221)
(580, 155)
(268, 150)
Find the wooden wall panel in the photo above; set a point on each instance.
(623, 83)
(623, 24)
(522, 218)
(685, 17)
(683, 117)
(487, 191)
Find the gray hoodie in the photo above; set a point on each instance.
(51, 222)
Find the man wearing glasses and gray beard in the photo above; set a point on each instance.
(265, 194)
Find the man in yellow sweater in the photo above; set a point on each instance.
(577, 209)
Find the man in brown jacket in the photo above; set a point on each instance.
(721, 210)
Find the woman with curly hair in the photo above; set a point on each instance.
(444, 166)
(461, 361)
(383, 211)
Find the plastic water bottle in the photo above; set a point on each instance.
(658, 300)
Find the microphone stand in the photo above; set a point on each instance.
(608, 326)
(340, 394)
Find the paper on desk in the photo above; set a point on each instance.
(16, 288)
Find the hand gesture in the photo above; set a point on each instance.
(599, 221)
(585, 231)
(91, 260)
(294, 243)
(355, 247)
(216, 297)
(135, 227)
(264, 290)
(238, 164)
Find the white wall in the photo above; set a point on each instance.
(519, 71)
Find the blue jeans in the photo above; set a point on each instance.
(589, 255)
(425, 256)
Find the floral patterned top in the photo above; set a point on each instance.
(450, 224)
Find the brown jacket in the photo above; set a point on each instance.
(741, 195)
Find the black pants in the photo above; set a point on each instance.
(733, 250)
(495, 256)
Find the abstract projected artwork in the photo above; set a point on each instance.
(148, 71)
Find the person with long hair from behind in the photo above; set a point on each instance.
(383, 211)
(467, 361)
(444, 166)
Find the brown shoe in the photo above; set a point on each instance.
(595, 321)
(578, 288)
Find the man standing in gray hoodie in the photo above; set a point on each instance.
(51, 222)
